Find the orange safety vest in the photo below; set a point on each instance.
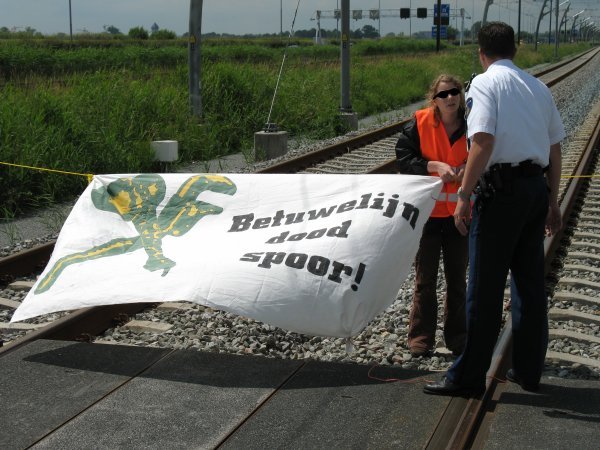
(435, 146)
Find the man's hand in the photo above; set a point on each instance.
(553, 220)
(462, 216)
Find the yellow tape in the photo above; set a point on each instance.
(89, 176)
(580, 176)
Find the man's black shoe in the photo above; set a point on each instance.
(511, 375)
(447, 387)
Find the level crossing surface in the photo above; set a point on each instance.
(59, 394)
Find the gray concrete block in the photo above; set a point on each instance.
(270, 144)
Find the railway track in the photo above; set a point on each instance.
(575, 312)
(574, 274)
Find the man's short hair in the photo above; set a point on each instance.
(497, 40)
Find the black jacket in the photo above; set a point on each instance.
(409, 158)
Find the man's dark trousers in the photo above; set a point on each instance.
(506, 233)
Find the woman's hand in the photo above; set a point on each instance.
(446, 172)
(459, 171)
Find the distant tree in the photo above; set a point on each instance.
(154, 28)
(422, 35)
(369, 32)
(390, 34)
(306, 33)
(452, 33)
(475, 29)
(111, 29)
(138, 33)
(356, 34)
(163, 34)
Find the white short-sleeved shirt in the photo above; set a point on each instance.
(518, 110)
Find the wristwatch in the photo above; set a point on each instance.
(463, 195)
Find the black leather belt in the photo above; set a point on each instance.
(525, 168)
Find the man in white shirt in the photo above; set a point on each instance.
(515, 131)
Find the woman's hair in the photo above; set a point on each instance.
(433, 89)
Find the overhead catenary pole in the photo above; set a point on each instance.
(550, 22)
(345, 57)
(194, 56)
(438, 23)
(70, 22)
(485, 11)
(379, 17)
(519, 25)
(573, 25)
(557, 27)
(564, 21)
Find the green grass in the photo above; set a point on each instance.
(96, 109)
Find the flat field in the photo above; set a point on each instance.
(94, 106)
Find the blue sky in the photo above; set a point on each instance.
(244, 16)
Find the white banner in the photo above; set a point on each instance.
(315, 254)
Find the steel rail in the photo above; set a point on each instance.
(562, 63)
(25, 262)
(81, 324)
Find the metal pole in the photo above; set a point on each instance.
(194, 56)
(556, 35)
(379, 18)
(410, 18)
(70, 22)
(337, 19)
(280, 17)
(462, 25)
(519, 26)
(550, 23)
(485, 11)
(439, 25)
(345, 56)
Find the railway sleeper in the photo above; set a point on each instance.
(572, 359)
(146, 326)
(21, 285)
(557, 333)
(581, 268)
(585, 244)
(584, 255)
(578, 316)
(6, 303)
(583, 235)
(20, 326)
(579, 282)
(566, 296)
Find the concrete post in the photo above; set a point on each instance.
(270, 143)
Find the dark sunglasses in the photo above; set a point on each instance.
(443, 94)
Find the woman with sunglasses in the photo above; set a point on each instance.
(433, 143)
